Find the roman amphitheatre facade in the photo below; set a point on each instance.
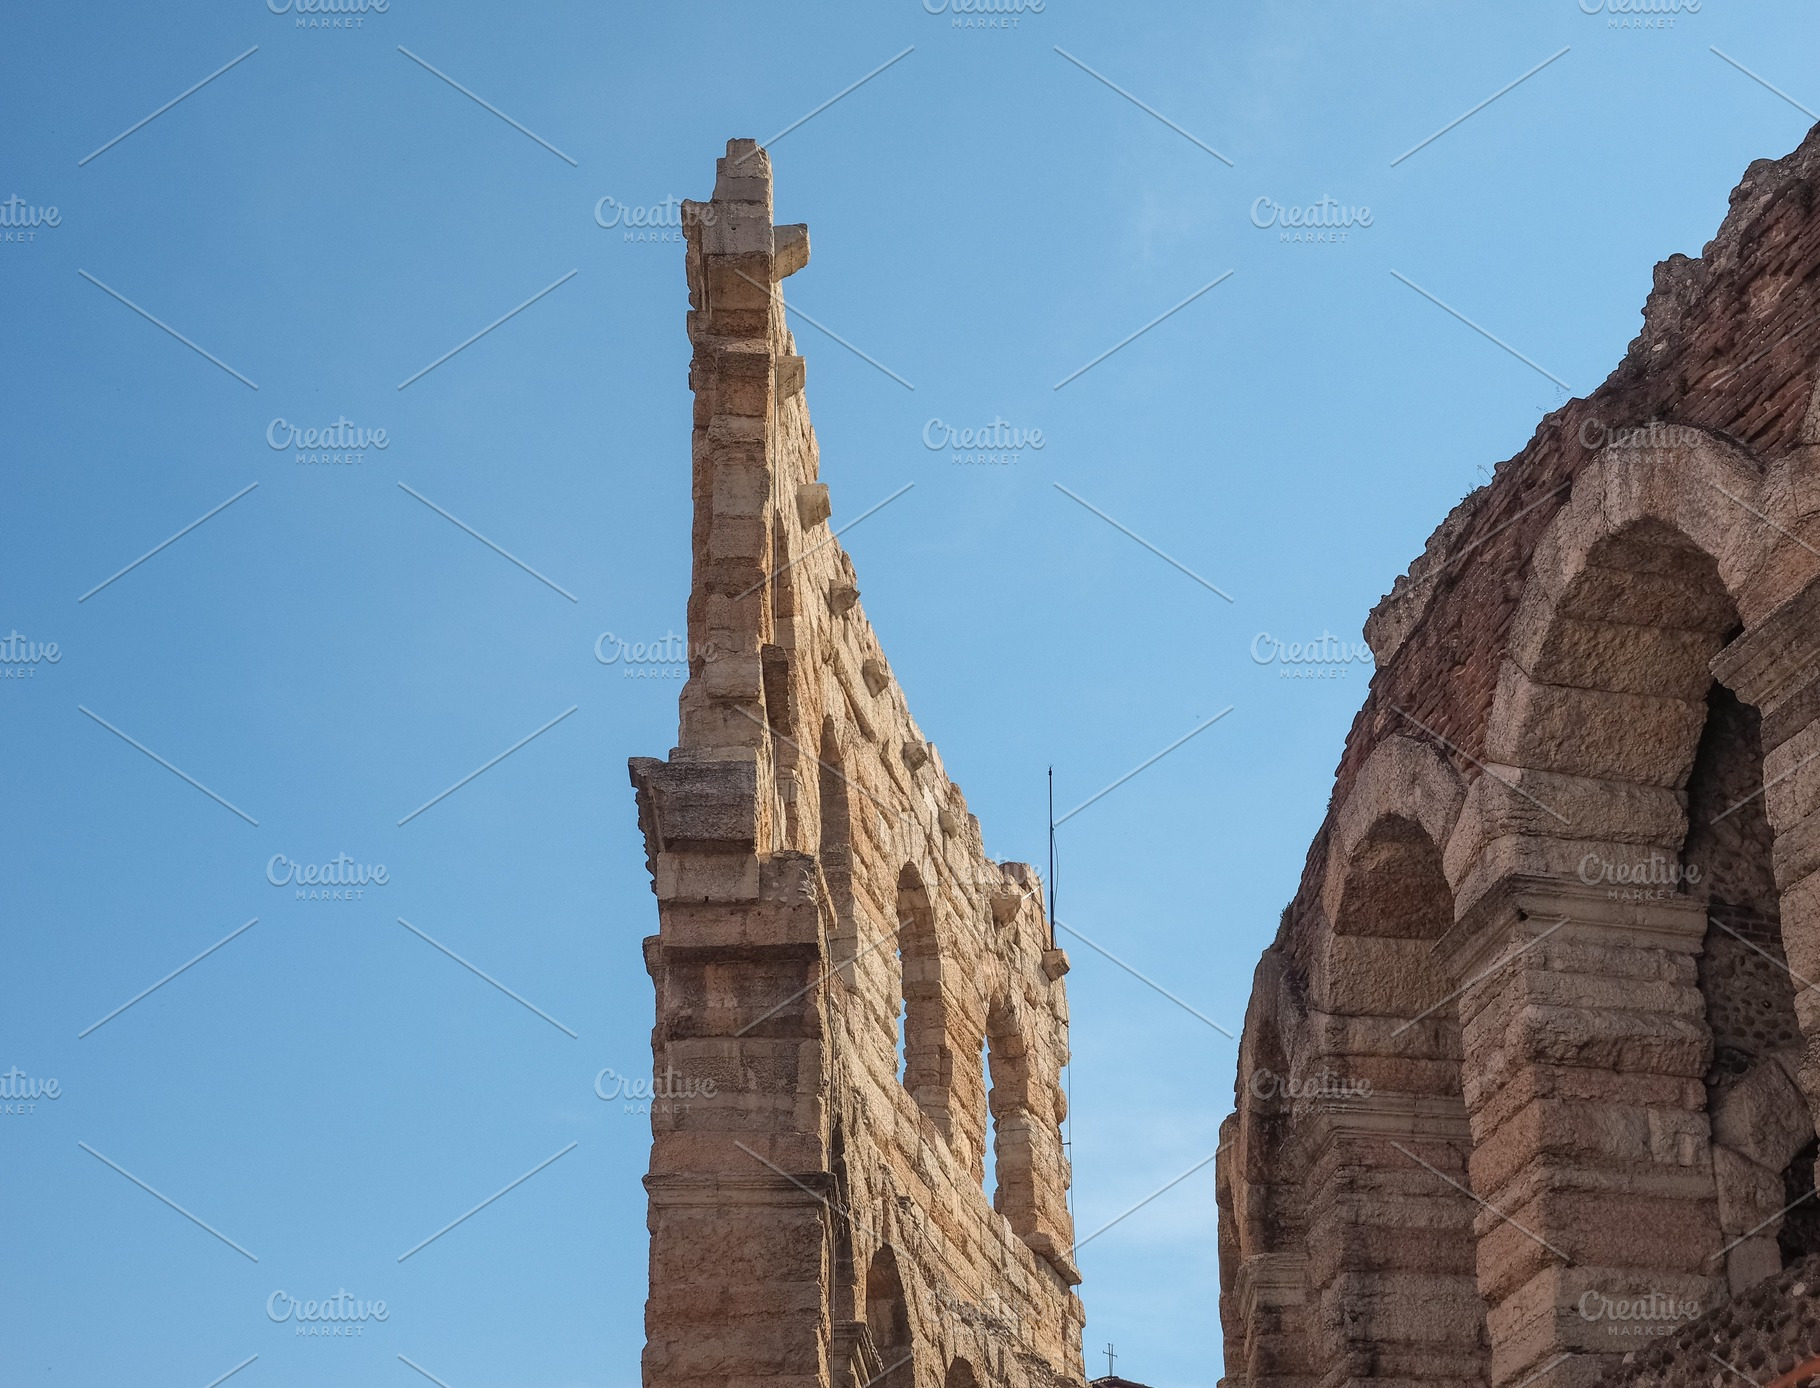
(1529, 1076)
(1528, 1081)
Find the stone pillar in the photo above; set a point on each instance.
(1584, 1059)
(741, 1239)
(1390, 1245)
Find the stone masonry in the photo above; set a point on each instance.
(853, 1000)
(1530, 1073)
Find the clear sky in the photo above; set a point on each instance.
(328, 217)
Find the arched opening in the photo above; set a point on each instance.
(960, 1375)
(834, 847)
(925, 1059)
(1728, 859)
(988, 1162)
(1385, 1112)
(1263, 1212)
(888, 1318)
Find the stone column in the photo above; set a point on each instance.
(1585, 1049)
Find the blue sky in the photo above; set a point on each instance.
(327, 217)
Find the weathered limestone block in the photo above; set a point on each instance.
(1587, 732)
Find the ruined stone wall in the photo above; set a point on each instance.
(1540, 1028)
(818, 1218)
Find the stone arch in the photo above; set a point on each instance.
(927, 1055)
(1601, 695)
(1263, 1215)
(1378, 1101)
(1404, 778)
(960, 1375)
(888, 1320)
(1585, 1022)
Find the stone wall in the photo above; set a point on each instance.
(1544, 999)
(817, 1213)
